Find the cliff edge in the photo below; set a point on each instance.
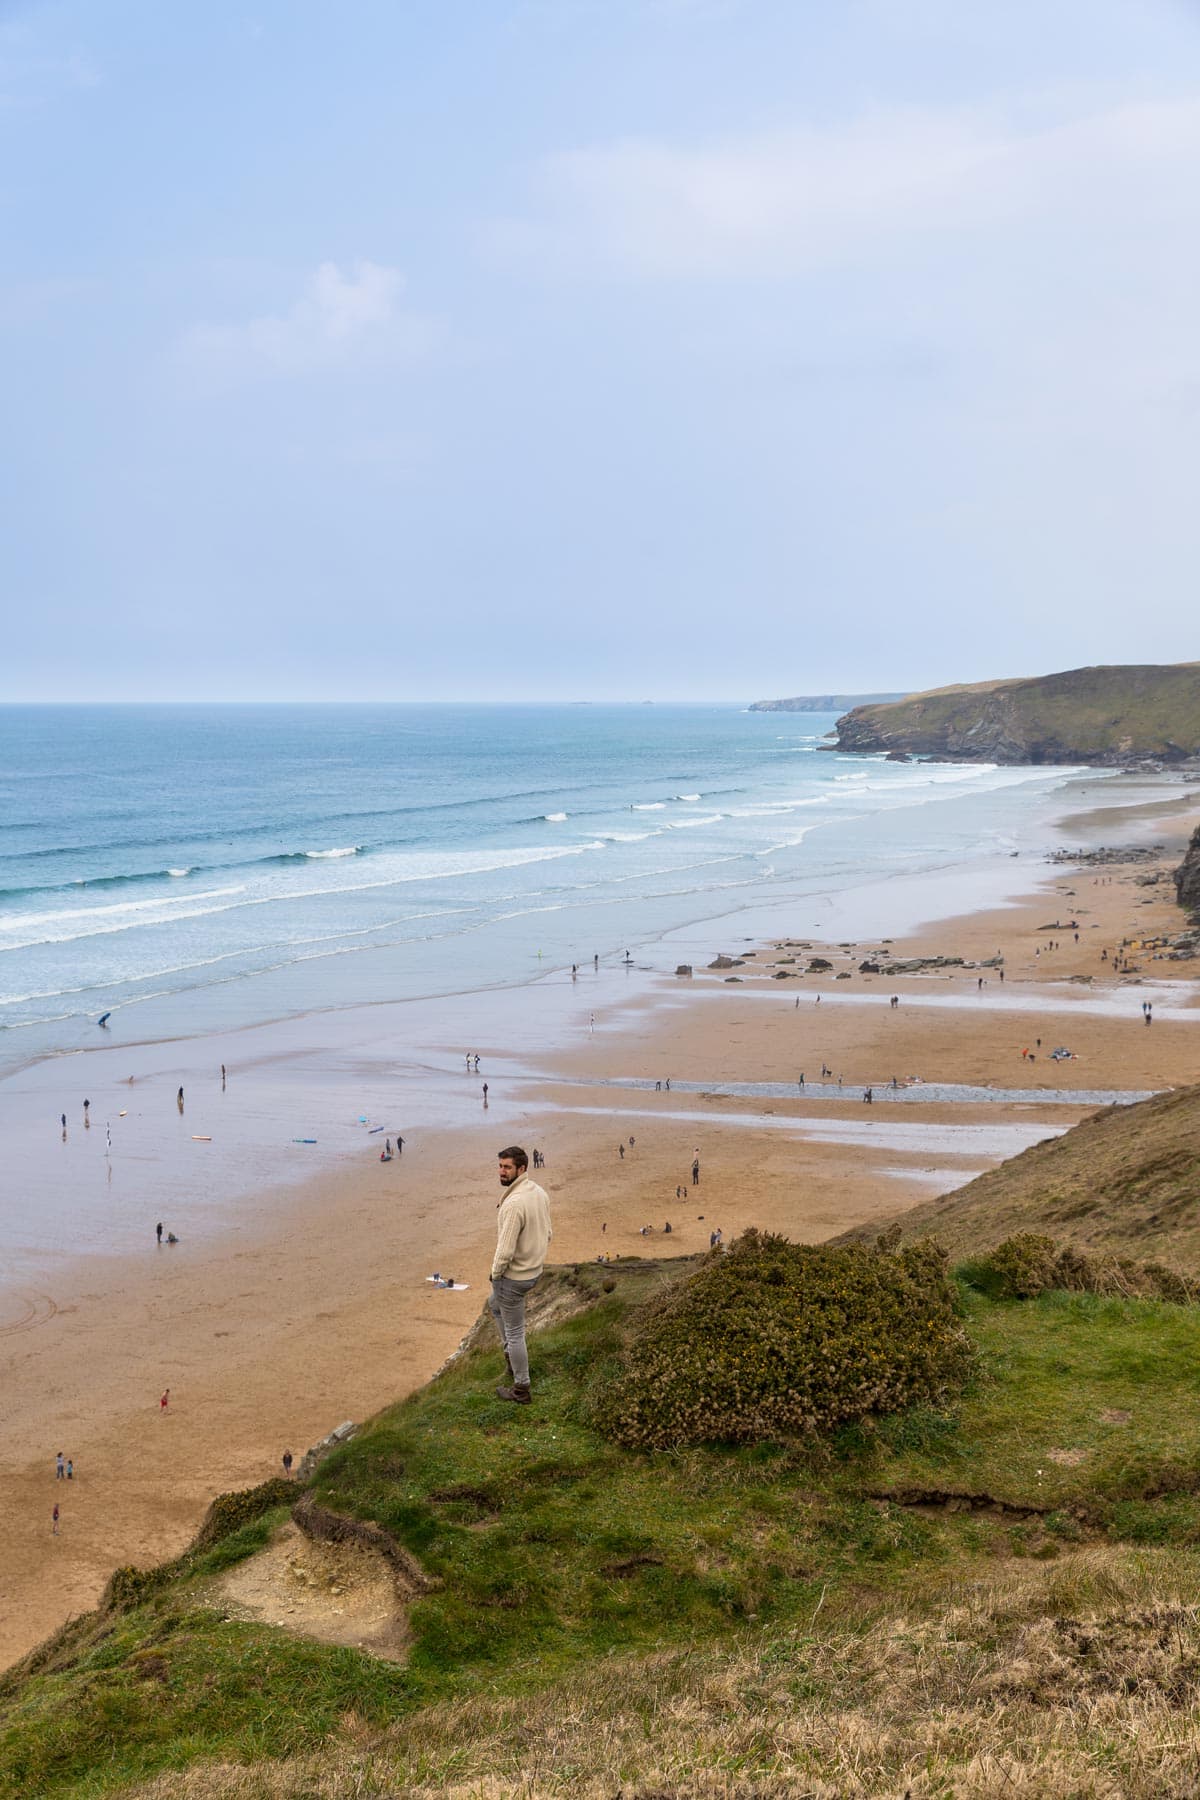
(1110, 715)
(1187, 876)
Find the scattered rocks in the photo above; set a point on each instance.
(1107, 853)
(319, 1452)
(727, 962)
(684, 969)
(818, 965)
(915, 965)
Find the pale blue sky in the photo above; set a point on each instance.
(595, 348)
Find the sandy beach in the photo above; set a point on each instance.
(278, 1316)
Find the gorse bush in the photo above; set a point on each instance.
(229, 1512)
(774, 1339)
(1020, 1268)
(1029, 1264)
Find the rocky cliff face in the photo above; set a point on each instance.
(1187, 876)
(1119, 715)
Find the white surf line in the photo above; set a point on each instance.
(878, 1133)
(944, 1180)
(1109, 1006)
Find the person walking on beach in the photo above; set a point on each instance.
(70, 1470)
(523, 1234)
(164, 1399)
(64, 1125)
(60, 1466)
(158, 1231)
(179, 1099)
(695, 1171)
(485, 1093)
(54, 1520)
(287, 1464)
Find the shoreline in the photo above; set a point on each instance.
(790, 891)
(310, 1306)
(315, 1075)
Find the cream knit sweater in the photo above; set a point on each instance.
(523, 1232)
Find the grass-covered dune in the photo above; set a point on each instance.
(1118, 714)
(996, 1591)
(1126, 1182)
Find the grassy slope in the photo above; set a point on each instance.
(900, 1605)
(1142, 708)
(1127, 1180)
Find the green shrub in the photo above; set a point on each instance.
(1024, 1266)
(772, 1339)
(229, 1512)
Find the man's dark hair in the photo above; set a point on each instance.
(514, 1153)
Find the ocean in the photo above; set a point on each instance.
(194, 869)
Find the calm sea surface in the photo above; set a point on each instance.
(204, 867)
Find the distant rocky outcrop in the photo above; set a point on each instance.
(1114, 715)
(1187, 876)
(822, 703)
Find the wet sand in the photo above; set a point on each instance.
(297, 1298)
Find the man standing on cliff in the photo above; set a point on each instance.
(522, 1236)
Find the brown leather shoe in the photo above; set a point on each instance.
(517, 1392)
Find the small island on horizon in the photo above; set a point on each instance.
(823, 703)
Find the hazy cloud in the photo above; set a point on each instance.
(853, 191)
(341, 318)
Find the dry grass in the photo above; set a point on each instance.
(1123, 1182)
(1080, 1681)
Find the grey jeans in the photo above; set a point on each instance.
(507, 1307)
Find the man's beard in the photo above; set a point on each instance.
(507, 1180)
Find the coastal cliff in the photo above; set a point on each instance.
(823, 703)
(1113, 715)
(1187, 876)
